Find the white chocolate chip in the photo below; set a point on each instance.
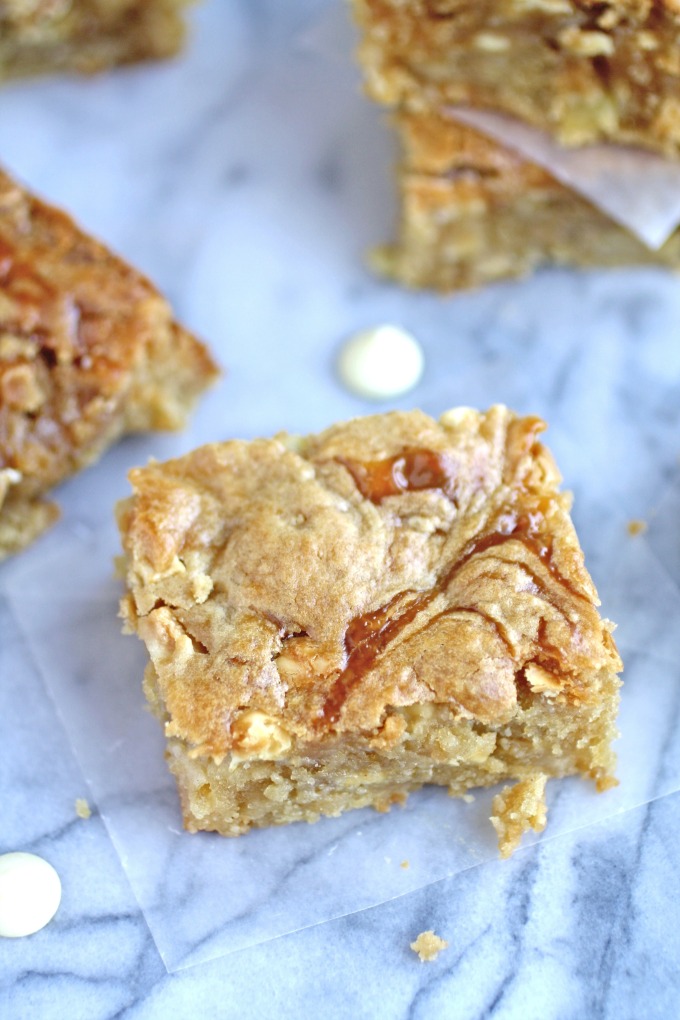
(30, 892)
(586, 44)
(381, 362)
(8, 478)
(489, 42)
(257, 735)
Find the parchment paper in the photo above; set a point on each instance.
(204, 895)
(638, 189)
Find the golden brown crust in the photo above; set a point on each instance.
(86, 36)
(474, 211)
(320, 586)
(88, 351)
(582, 69)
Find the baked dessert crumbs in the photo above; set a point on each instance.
(46, 36)
(334, 621)
(518, 808)
(428, 946)
(89, 350)
(83, 809)
(472, 211)
(584, 70)
(637, 527)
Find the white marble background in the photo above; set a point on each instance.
(246, 179)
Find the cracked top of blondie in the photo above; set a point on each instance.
(299, 589)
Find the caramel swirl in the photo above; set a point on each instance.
(369, 635)
(413, 470)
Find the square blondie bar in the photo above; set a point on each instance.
(89, 350)
(44, 36)
(473, 211)
(334, 621)
(584, 70)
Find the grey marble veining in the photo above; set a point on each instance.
(248, 178)
(280, 880)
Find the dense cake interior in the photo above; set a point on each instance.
(426, 743)
(41, 36)
(472, 212)
(586, 70)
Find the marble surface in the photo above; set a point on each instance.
(247, 178)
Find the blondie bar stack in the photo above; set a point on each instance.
(473, 210)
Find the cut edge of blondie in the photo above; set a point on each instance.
(22, 518)
(88, 42)
(89, 351)
(272, 779)
(581, 71)
(474, 212)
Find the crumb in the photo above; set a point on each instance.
(637, 527)
(519, 808)
(82, 808)
(405, 865)
(428, 946)
(469, 798)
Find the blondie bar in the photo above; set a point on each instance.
(334, 621)
(584, 70)
(472, 211)
(89, 350)
(42, 36)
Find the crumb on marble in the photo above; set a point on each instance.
(469, 798)
(405, 864)
(83, 809)
(519, 808)
(428, 946)
(637, 527)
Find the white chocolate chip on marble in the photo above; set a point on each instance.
(257, 735)
(380, 363)
(30, 893)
